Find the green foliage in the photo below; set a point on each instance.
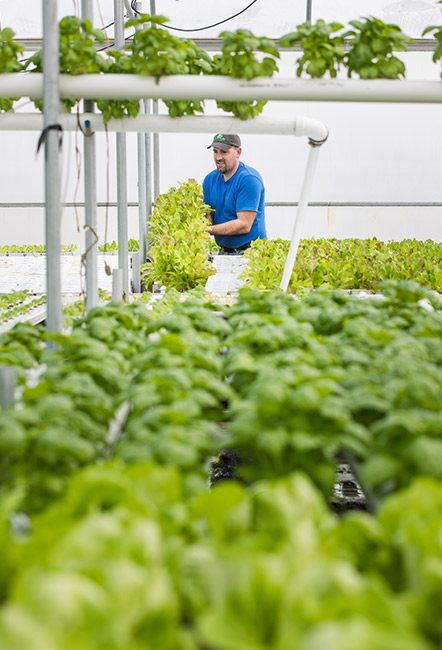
(9, 52)
(155, 52)
(17, 304)
(239, 61)
(344, 264)
(436, 31)
(33, 248)
(132, 245)
(322, 53)
(238, 58)
(127, 560)
(138, 552)
(332, 372)
(77, 53)
(179, 240)
(372, 43)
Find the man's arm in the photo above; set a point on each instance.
(239, 226)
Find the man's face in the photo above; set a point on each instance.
(226, 161)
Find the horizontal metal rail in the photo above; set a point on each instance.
(268, 204)
(215, 44)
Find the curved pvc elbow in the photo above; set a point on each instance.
(316, 132)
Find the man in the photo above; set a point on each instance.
(235, 192)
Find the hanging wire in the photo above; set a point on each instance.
(199, 29)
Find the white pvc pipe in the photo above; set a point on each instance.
(128, 86)
(299, 218)
(90, 193)
(121, 153)
(52, 166)
(298, 126)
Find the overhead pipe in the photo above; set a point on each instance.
(179, 87)
(297, 126)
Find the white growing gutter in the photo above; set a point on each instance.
(114, 86)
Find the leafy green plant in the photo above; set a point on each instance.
(238, 60)
(344, 264)
(77, 53)
(436, 31)
(372, 43)
(155, 52)
(132, 245)
(322, 53)
(179, 240)
(9, 51)
(33, 248)
(18, 304)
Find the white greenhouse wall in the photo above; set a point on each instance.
(376, 153)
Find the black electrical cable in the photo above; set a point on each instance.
(200, 29)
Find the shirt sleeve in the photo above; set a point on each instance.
(249, 194)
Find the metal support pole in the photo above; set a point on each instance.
(136, 275)
(148, 174)
(123, 261)
(309, 11)
(90, 193)
(142, 205)
(117, 285)
(156, 138)
(299, 218)
(156, 157)
(8, 380)
(52, 164)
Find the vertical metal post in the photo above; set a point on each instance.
(136, 272)
(148, 173)
(142, 204)
(117, 285)
(90, 192)
(309, 11)
(8, 380)
(123, 260)
(156, 137)
(52, 164)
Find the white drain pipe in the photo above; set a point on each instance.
(298, 125)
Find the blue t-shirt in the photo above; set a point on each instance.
(243, 191)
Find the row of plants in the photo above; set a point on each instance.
(126, 560)
(33, 248)
(333, 373)
(369, 53)
(344, 263)
(180, 250)
(18, 304)
(136, 552)
(70, 406)
(297, 383)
